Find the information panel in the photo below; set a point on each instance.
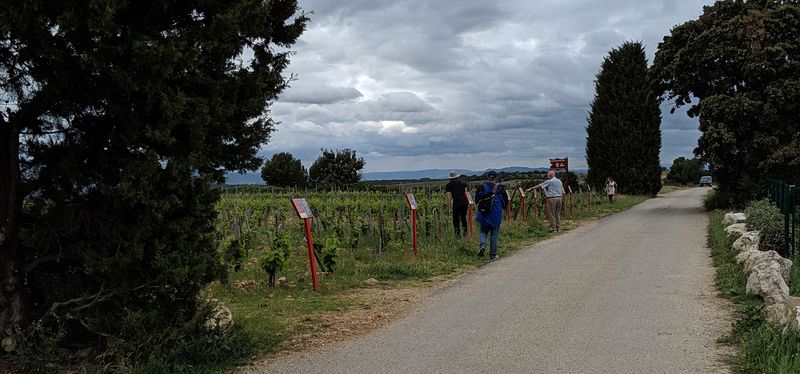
(302, 209)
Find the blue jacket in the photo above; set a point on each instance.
(495, 217)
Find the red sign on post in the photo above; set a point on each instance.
(412, 203)
(559, 164)
(522, 202)
(304, 212)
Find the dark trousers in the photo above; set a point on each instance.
(460, 219)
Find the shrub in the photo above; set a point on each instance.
(276, 257)
(767, 219)
(717, 199)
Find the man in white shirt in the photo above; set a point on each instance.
(554, 197)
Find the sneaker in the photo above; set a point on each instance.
(494, 257)
(480, 253)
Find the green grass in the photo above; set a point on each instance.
(266, 319)
(763, 348)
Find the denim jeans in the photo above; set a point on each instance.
(494, 235)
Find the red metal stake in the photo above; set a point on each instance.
(470, 222)
(470, 203)
(508, 214)
(524, 208)
(311, 254)
(414, 231)
(571, 206)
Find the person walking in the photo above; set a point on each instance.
(553, 193)
(491, 197)
(457, 202)
(610, 188)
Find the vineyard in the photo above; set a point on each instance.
(261, 226)
(360, 239)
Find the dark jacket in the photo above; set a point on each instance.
(495, 216)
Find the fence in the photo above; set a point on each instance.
(784, 196)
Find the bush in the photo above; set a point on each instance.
(767, 219)
(717, 200)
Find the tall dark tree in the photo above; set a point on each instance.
(738, 69)
(685, 171)
(118, 116)
(623, 136)
(336, 169)
(283, 170)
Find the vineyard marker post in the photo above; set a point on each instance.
(304, 212)
(522, 202)
(470, 203)
(508, 213)
(412, 203)
(571, 207)
(589, 192)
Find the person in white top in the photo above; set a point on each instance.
(611, 189)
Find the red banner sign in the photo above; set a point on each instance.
(559, 164)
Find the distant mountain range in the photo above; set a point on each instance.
(438, 173)
(255, 178)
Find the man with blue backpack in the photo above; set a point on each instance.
(491, 198)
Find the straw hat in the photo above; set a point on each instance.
(453, 174)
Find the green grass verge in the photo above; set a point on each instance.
(267, 319)
(763, 348)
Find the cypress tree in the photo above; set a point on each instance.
(623, 132)
(117, 118)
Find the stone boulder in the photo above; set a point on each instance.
(772, 259)
(793, 313)
(736, 229)
(221, 318)
(766, 281)
(746, 257)
(747, 240)
(731, 218)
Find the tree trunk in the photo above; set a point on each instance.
(10, 285)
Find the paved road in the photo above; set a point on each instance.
(632, 293)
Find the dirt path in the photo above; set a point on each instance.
(632, 293)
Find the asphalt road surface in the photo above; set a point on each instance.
(631, 293)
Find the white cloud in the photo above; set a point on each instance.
(417, 84)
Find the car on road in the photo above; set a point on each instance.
(705, 181)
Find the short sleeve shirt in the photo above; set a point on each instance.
(457, 188)
(553, 187)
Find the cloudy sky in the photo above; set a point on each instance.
(472, 84)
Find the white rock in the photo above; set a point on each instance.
(772, 259)
(777, 314)
(745, 257)
(731, 218)
(221, 317)
(766, 281)
(747, 240)
(371, 282)
(793, 313)
(737, 229)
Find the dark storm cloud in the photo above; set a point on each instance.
(416, 84)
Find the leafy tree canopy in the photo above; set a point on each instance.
(623, 138)
(737, 67)
(118, 117)
(685, 171)
(336, 169)
(283, 170)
